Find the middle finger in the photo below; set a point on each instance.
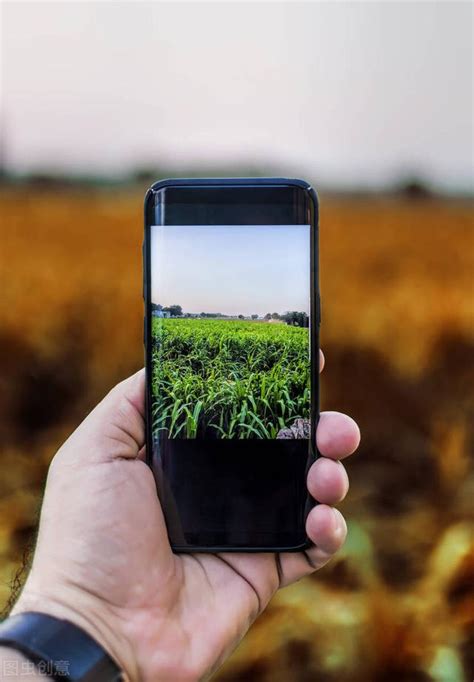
(327, 481)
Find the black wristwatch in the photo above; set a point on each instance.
(58, 648)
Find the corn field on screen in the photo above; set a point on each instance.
(230, 331)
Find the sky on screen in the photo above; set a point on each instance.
(235, 270)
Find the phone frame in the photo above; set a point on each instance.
(314, 323)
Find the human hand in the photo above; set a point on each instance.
(103, 560)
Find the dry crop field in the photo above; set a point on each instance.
(397, 331)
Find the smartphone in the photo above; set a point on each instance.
(231, 335)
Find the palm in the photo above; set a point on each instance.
(194, 604)
(208, 600)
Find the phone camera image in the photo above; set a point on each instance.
(230, 332)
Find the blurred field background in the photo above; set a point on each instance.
(397, 257)
(398, 338)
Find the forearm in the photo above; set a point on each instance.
(15, 666)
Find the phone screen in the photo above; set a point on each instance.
(230, 380)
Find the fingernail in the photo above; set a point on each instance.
(341, 526)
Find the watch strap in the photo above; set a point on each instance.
(59, 648)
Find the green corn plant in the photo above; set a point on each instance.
(228, 379)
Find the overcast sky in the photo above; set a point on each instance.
(231, 269)
(345, 93)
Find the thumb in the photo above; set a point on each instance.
(114, 429)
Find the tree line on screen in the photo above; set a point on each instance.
(293, 317)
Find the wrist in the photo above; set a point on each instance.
(87, 612)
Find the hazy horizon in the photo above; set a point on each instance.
(231, 269)
(347, 94)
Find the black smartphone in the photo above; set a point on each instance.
(231, 335)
